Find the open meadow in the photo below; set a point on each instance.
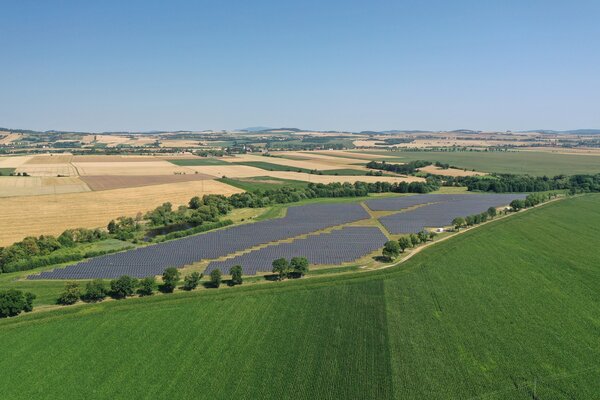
(511, 162)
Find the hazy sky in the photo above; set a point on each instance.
(335, 65)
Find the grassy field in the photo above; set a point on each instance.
(506, 311)
(261, 183)
(533, 163)
(6, 171)
(198, 161)
(272, 166)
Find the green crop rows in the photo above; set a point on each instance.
(505, 311)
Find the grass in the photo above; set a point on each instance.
(6, 171)
(506, 311)
(515, 162)
(198, 161)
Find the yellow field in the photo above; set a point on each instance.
(158, 167)
(300, 176)
(230, 171)
(13, 161)
(51, 159)
(37, 215)
(312, 164)
(432, 169)
(34, 186)
(53, 169)
(7, 137)
(338, 162)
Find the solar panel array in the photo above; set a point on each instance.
(442, 212)
(336, 247)
(153, 260)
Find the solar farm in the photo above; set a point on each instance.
(347, 244)
(337, 247)
(153, 260)
(436, 210)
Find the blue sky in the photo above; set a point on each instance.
(331, 65)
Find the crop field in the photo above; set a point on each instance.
(284, 164)
(108, 182)
(186, 162)
(157, 167)
(506, 311)
(337, 247)
(432, 169)
(34, 185)
(513, 162)
(261, 183)
(52, 169)
(153, 260)
(55, 213)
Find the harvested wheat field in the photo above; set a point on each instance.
(300, 176)
(109, 182)
(338, 162)
(13, 161)
(155, 167)
(53, 169)
(51, 159)
(7, 137)
(353, 154)
(116, 158)
(432, 169)
(312, 164)
(180, 143)
(37, 215)
(230, 171)
(36, 185)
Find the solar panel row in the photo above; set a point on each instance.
(441, 212)
(153, 260)
(336, 247)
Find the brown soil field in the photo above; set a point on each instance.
(51, 159)
(34, 186)
(432, 169)
(53, 169)
(155, 167)
(108, 182)
(53, 214)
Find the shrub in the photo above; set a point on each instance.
(13, 302)
(122, 287)
(70, 295)
(94, 291)
(215, 278)
(236, 275)
(170, 278)
(191, 281)
(146, 287)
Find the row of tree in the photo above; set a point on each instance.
(32, 250)
(126, 286)
(393, 248)
(409, 168)
(14, 302)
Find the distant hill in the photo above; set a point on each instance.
(568, 132)
(255, 129)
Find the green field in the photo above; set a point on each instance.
(262, 183)
(6, 171)
(190, 162)
(509, 310)
(532, 163)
